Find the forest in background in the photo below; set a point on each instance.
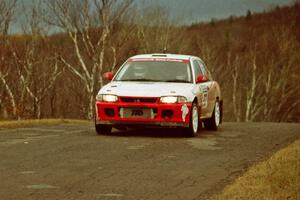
(57, 74)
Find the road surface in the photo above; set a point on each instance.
(70, 161)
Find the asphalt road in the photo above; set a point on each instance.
(70, 161)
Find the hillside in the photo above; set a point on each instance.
(254, 58)
(267, 41)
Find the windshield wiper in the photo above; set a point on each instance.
(178, 81)
(140, 79)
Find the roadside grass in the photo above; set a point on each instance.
(276, 178)
(33, 122)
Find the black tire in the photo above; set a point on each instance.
(102, 129)
(192, 131)
(215, 120)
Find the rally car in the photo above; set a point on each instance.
(166, 90)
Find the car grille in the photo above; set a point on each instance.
(138, 99)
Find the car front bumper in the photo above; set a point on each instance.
(167, 115)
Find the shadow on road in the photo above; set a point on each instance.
(158, 133)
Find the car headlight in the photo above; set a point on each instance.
(173, 99)
(107, 97)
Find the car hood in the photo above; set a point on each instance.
(146, 89)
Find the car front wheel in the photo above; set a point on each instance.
(192, 130)
(102, 129)
(214, 122)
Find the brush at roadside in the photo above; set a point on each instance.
(276, 178)
(33, 122)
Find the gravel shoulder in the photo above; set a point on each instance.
(69, 161)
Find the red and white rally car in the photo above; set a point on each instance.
(159, 90)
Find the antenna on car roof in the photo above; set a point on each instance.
(165, 50)
(166, 40)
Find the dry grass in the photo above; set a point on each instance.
(33, 122)
(275, 179)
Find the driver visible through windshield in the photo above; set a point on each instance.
(156, 71)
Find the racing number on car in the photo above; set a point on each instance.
(204, 90)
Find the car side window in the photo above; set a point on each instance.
(204, 70)
(196, 68)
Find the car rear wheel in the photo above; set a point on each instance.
(192, 130)
(102, 129)
(214, 122)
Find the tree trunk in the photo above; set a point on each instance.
(91, 106)
(11, 96)
(251, 93)
(236, 110)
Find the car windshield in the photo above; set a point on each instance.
(155, 71)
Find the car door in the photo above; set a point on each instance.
(201, 89)
(210, 87)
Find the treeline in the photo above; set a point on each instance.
(53, 69)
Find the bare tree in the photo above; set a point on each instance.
(78, 19)
(10, 94)
(252, 106)
(270, 86)
(153, 29)
(7, 10)
(285, 85)
(36, 73)
(158, 32)
(235, 94)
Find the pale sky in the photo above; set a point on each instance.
(193, 11)
(204, 10)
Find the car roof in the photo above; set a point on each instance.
(164, 55)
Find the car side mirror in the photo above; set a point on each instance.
(201, 78)
(108, 76)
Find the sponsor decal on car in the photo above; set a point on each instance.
(204, 90)
(185, 111)
(158, 60)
